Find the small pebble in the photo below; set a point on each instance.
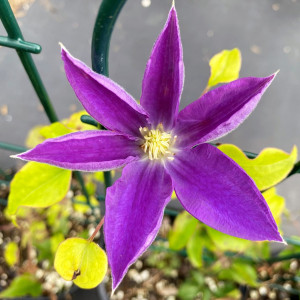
(45, 264)
(145, 275)
(70, 194)
(139, 264)
(3, 283)
(47, 286)
(119, 295)
(135, 276)
(263, 291)
(263, 273)
(17, 239)
(39, 273)
(294, 265)
(254, 294)
(287, 286)
(272, 295)
(92, 219)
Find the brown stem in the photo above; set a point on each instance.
(205, 91)
(96, 230)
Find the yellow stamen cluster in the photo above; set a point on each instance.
(157, 143)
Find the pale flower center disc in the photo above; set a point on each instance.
(157, 143)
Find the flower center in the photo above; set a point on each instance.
(157, 143)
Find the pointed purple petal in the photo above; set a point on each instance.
(215, 190)
(103, 99)
(134, 211)
(219, 111)
(164, 75)
(89, 150)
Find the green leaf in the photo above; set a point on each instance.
(82, 261)
(55, 240)
(225, 242)
(38, 185)
(194, 250)
(276, 203)
(224, 67)
(183, 229)
(11, 253)
(269, 168)
(44, 251)
(240, 272)
(58, 217)
(22, 286)
(227, 289)
(188, 290)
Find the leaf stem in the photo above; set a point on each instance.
(96, 230)
(205, 91)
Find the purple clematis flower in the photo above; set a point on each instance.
(157, 145)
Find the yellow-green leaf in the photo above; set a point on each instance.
(34, 137)
(194, 250)
(225, 242)
(183, 229)
(40, 133)
(81, 205)
(54, 130)
(38, 231)
(276, 203)
(174, 195)
(38, 185)
(11, 253)
(74, 123)
(99, 176)
(269, 168)
(224, 67)
(82, 261)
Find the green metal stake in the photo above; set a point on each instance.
(14, 33)
(20, 45)
(15, 40)
(104, 25)
(103, 28)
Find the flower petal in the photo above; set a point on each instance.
(219, 111)
(103, 99)
(134, 211)
(215, 190)
(91, 150)
(164, 75)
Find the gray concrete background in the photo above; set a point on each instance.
(267, 33)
